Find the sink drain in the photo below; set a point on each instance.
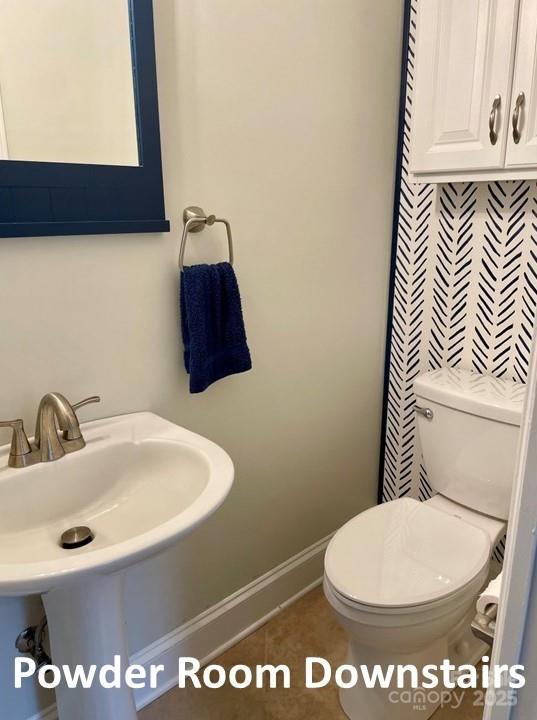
(76, 537)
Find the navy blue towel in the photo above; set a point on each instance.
(212, 323)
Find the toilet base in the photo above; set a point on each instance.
(461, 647)
(379, 703)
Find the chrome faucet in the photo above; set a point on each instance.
(55, 414)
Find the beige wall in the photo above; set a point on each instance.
(66, 85)
(282, 116)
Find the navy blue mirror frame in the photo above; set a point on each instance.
(38, 199)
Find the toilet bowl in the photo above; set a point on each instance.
(403, 577)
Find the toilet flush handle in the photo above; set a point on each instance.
(426, 412)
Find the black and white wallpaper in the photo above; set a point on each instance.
(465, 293)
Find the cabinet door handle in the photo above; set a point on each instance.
(516, 117)
(493, 133)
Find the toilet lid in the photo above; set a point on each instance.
(404, 553)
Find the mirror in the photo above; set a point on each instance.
(80, 138)
(67, 91)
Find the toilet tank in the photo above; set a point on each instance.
(469, 443)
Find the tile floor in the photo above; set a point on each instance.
(305, 628)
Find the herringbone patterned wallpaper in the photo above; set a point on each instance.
(465, 293)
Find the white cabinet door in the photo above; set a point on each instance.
(464, 59)
(524, 96)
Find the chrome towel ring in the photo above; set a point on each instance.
(195, 219)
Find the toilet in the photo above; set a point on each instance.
(403, 577)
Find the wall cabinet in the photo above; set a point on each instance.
(474, 105)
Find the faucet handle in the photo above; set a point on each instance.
(87, 401)
(21, 453)
(74, 433)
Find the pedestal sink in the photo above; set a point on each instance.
(140, 484)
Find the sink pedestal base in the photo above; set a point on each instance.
(87, 627)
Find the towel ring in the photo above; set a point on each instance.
(195, 220)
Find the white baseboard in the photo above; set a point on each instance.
(226, 623)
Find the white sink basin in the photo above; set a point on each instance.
(139, 485)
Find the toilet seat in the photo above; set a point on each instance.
(404, 554)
